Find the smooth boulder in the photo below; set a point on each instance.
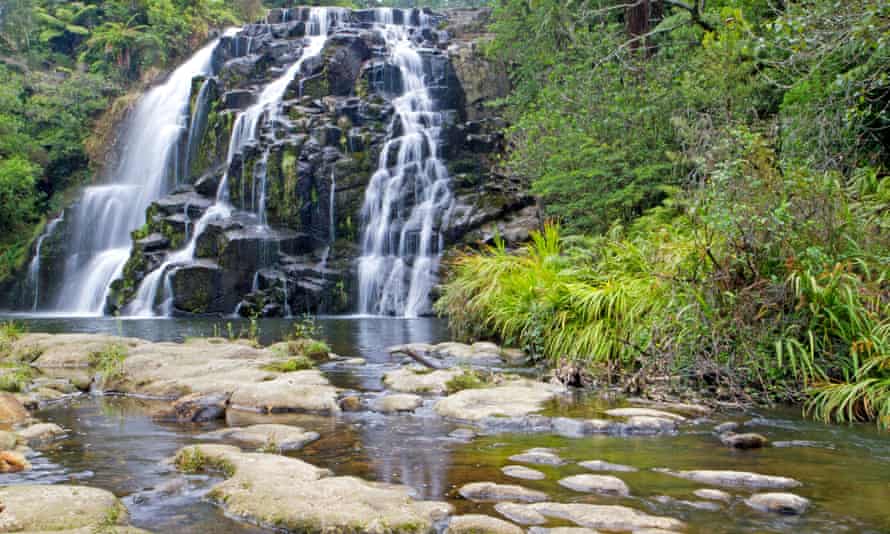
(733, 479)
(779, 503)
(603, 484)
(491, 492)
(476, 524)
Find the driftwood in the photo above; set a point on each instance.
(419, 353)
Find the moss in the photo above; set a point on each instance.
(291, 365)
(15, 377)
(193, 460)
(469, 379)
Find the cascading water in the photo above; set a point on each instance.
(400, 242)
(107, 214)
(33, 281)
(245, 131)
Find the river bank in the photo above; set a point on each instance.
(382, 419)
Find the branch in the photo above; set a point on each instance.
(694, 11)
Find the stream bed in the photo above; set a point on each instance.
(113, 443)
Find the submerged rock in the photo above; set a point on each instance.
(512, 399)
(46, 508)
(713, 495)
(733, 479)
(538, 456)
(743, 441)
(475, 524)
(491, 492)
(604, 484)
(524, 473)
(600, 465)
(605, 517)
(780, 503)
(266, 436)
(520, 514)
(698, 505)
(296, 496)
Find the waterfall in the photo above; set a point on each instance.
(245, 131)
(197, 124)
(106, 214)
(33, 281)
(400, 242)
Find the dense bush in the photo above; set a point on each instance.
(730, 165)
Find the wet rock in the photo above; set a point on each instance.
(605, 517)
(603, 484)
(520, 514)
(238, 99)
(354, 361)
(299, 497)
(197, 408)
(698, 505)
(743, 441)
(397, 403)
(267, 437)
(600, 465)
(411, 381)
(491, 492)
(577, 428)
(352, 403)
(733, 479)
(13, 462)
(474, 524)
(41, 433)
(198, 289)
(713, 495)
(513, 356)
(538, 456)
(644, 412)
(301, 391)
(723, 428)
(643, 424)
(524, 473)
(153, 243)
(46, 508)
(11, 410)
(780, 503)
(512, 399)
(525, 424)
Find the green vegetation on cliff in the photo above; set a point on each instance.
(718, 170)
(62, 64)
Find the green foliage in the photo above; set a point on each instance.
(730, 161)
(193, 460)
(290, 365)
(15, 377)
(109, 362)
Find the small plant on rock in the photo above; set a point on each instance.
(110, 361)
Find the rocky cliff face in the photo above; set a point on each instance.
(292, 241)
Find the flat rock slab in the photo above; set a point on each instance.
(779, 503)
(512, 399)
(491, 492)
(603, 484)
(213, 366)
(475, 524)
(538, 457)
(299, 497)
(600, 465)
(69, 350)
(402, 402)
(524, 473)
(268, 436)
(520, 514)
(605, 517)
(43, 507)
(644, 412)
(11, 410)
(410, 381)
(733, 479)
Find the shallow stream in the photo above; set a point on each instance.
(114, 444)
